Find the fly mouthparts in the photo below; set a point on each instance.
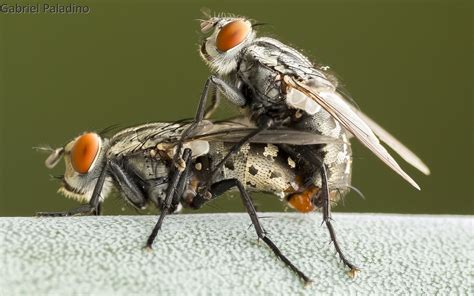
(56, 177)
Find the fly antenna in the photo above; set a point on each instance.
(43, 148)
(259, 24)
(108, 129)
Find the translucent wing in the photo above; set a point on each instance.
(393, 143)
(145, 136)
(343, 112)
(319, 84)
(168, 134)
(235, 131)
(384, 136)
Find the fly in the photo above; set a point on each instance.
(138, 161)
(277, 86)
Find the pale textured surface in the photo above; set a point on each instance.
(219, 254)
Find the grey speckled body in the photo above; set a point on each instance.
(146, 150)
(259, 75)
(260, 167)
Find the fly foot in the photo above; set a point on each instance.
(308, 284)
(52, 214)
(148, 249)
(353, 272)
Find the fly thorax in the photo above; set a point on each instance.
(264, 85)
(152, 170)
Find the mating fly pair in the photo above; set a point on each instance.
(297, 146)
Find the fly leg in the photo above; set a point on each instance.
(307, 159)
(326, 207)
(232, 94)
(93, 207)
(202, 112)
(127, 185)
(181, 186)
(200, 115)
(215, 101)
(174, 186)
(221, 187)
(305, 156)
(81, 210)
(99, 209)
(211, 83)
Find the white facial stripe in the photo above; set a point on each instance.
(99, 149)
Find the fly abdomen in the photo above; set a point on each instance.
(336, 156)
(260, 167)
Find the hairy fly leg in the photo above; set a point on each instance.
(99, 209)
(93, 207)
(326, 203)
(215, 102)
(181, 186)
(173, 188)
(306, 158)
(214, 85)
(201, 113)
(221, 187)
(81, 210)
(313, 164)
(232, 94)
(128, 185)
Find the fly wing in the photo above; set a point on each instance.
(235, 131)
(384, 136)
(168, 134)
(396, 145)
(275, 136)
(312, 87)
(145, 136)
(343, 112)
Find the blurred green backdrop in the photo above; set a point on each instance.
(408, 64)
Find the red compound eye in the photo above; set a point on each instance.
(84, 152)
(232, 35)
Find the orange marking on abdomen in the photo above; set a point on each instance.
(302, 201)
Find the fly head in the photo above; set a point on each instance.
(230, 35)
(84, 159)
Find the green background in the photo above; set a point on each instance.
(408, 64)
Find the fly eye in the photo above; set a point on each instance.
(232, 35)
(84, 152)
